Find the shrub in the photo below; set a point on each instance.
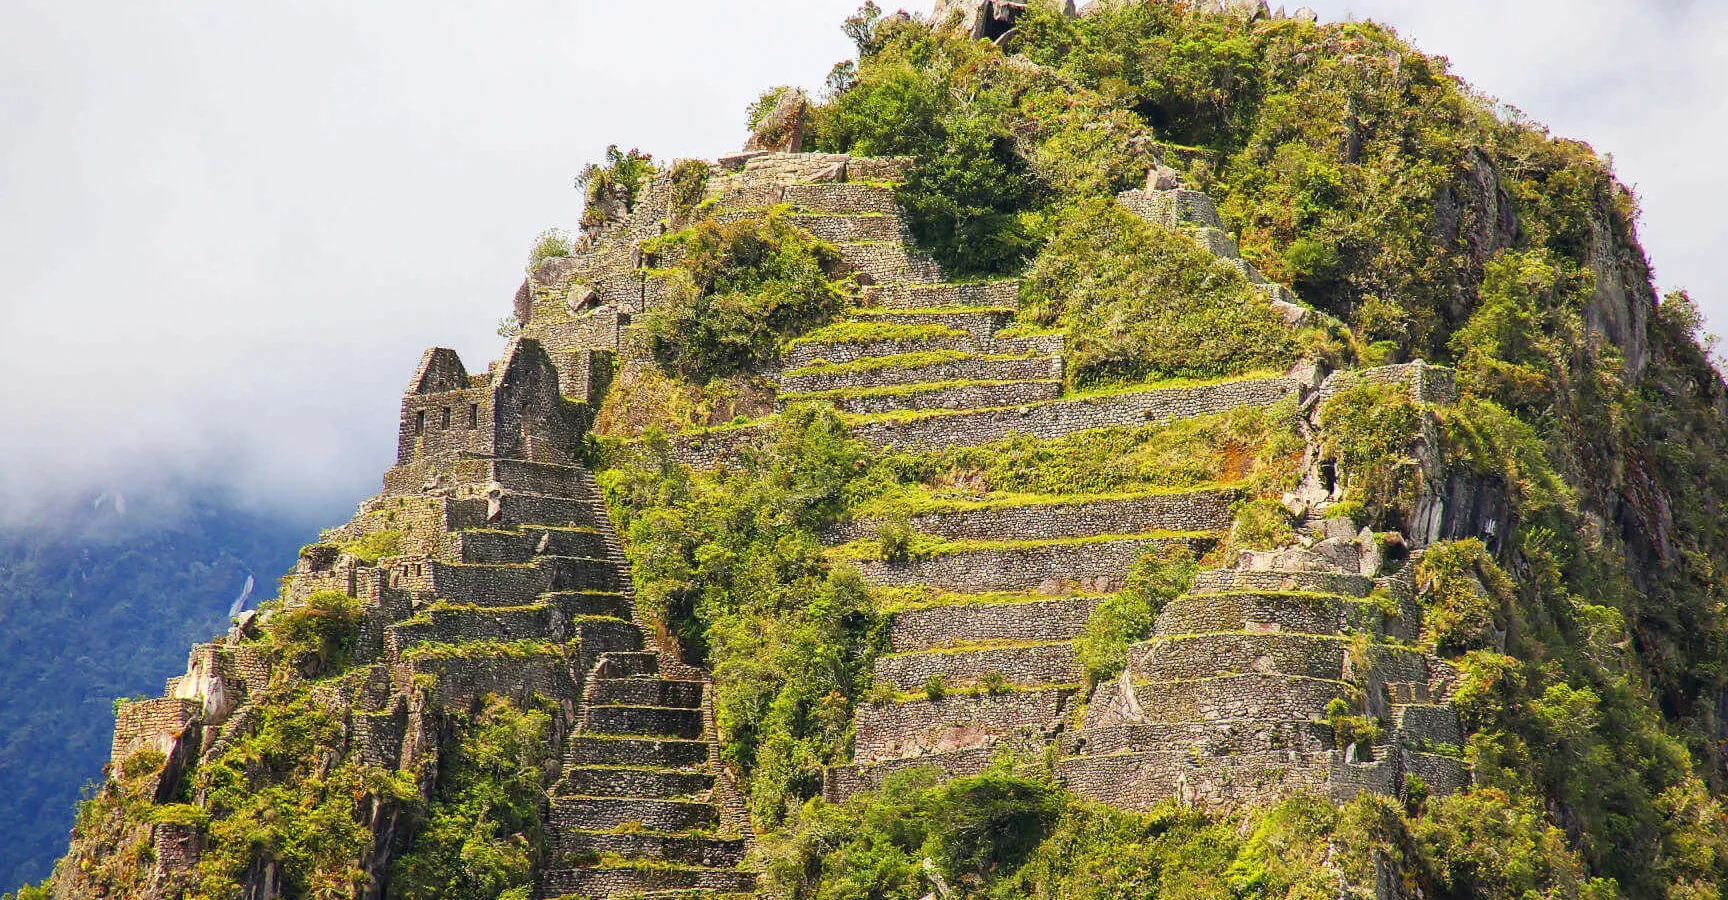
(895, 537)
(553, 242)
(1262, 525)
(742, 288)
(320, 635)
(372, 547)
(1467, 597)
(1369, 430)
(1142, 303)
(935, 687)
(1128, 617)
(609, 191)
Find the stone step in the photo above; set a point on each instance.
(1020, 665)
(446, 624)
(842, 199)
(648, 881)
(589, 603)
(807, 352)
(981, 323)
(1205, 738)
(671, 753)
(952, 395)
(1022, 517)
(891, 731)
(1268, 612)
(516, 510)
(1004, 294)
(844, 229)
(606, 813)
(1036, 620)
(659, 721)
(939, 430)
(919, 369)
(628, 665)
(697, 851)
(1248, 696)
(520, 546)
(1097, 565)
(509, 585)
(646, 692)
(620, 781)
(888, 262)
(1220, 580)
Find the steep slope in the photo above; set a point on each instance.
(971, 489)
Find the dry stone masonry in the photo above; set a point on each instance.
(494, 568)
(504, 578)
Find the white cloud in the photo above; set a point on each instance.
(228, 230)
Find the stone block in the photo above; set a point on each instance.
(921, 727)
(1041, 664)
(1039, 621)
(955, 397)
(974, 368)
(1100, 566)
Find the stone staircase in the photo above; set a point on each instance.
(981, 653)
(530, 568)
(1229, 702)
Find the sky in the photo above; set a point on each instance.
(227, 231)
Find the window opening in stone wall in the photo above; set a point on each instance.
(473, 415)
(420, 422)
(444, 421)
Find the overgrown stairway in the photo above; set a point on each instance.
(1294, 671)
(522, 566)
(989, 596)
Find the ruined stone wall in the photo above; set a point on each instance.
(1100, 567)
(1199, 511)
(1044, 421)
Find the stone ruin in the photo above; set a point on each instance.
(506, 576)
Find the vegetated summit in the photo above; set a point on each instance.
(1158, 450)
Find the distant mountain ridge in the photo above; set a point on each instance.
(99, 598)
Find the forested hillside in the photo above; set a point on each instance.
(100, 598)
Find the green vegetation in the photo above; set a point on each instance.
(1129, 616)
(741, 289)
(375, 546)
(729, 561)
(1010, 833)
(1579, 595)
(481, 834)
(1141, 303)
(609, 191)
(319, 635)
(553, 242)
